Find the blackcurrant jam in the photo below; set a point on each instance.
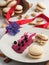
(25, 38)
(19, 49)
(19, 44)
(22, 42)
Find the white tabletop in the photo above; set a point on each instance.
(2, 32)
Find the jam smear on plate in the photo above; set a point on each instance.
(20, 45)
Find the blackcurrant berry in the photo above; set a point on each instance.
(15, 42)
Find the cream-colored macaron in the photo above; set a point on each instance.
(19, 9)
(8, 1)
(41, 5)
(35, 51)
(5, 10)
(12, 3)
(42, 36)
(41, 39)
(39, 9)
(3, 3)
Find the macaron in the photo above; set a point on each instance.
(8, 1)
(41, 5)
(3, 3)
(12, 3)
(5, 10)
(35, 51)
(19, 9)
(39, 9)
(41, 39)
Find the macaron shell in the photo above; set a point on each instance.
(35, 50)
(37, 40)
(25, 5)
(17, 12)
(40, 41)
(41, 5)
(38, 8)
(6, 13)
(8, 1)
(42, 36)
(3, 3)
(6, 9)
(35, 57)
(13, 14)
(19, 7)
(12, 3)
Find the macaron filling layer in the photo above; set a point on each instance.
(41, 5)
(12, 3)
(38, 37)
(35, 51)
(3, 3)
(19, 9)
(35, 54)
(35, 57)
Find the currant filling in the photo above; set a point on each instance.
(20, 45)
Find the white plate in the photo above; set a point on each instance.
(7, 41)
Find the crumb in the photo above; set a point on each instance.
(7, 60)
(30, 5)
(2, 55)
(4, 25)
(41, 5)
(38, 23)
(27, 16)
(33, 14)
(47, 27)
(20, 17)
(38, 9)
(31, 23)
(39, 20)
